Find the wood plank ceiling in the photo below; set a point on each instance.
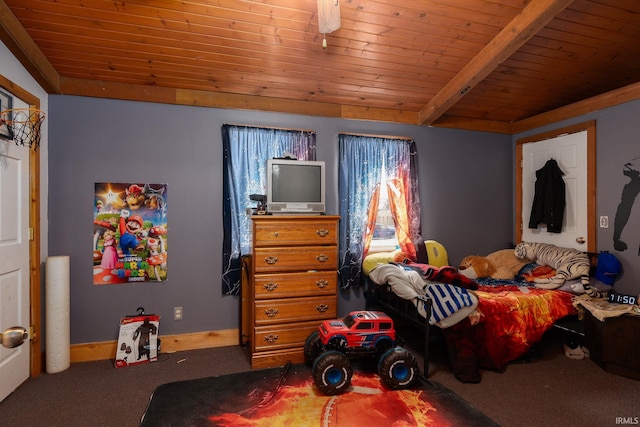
(475, 64)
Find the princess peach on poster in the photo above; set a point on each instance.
(110, 254)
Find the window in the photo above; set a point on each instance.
(384, 232)
(369, 167)
(367, 326)
(385, 326)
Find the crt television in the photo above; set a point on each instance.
(295, 186)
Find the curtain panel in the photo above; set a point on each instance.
(246, 150)
(362, 162)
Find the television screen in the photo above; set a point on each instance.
(295, 186)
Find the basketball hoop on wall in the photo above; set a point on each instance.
(22, 125)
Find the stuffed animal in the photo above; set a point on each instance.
(479, 267)
(569, 264)
(499, 265)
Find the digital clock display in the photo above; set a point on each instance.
(622, 298)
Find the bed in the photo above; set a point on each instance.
(485, 323)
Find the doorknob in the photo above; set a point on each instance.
(14, 336)
(580, 240)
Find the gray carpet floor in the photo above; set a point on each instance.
(552, 390)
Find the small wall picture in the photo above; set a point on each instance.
(6, 103)
(130, 238)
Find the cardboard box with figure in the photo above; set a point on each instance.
(138, 340)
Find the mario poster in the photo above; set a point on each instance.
(130, 237)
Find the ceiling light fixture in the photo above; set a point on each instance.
(328, 18)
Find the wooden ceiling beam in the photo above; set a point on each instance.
(20, 43)
(524, 26)
(599, 102)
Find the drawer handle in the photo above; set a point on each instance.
(271, 338)
(276, 234)
(322, 283)
(271, 312)
(322, 258)
(271, 286)
(271, 259)
(323, 232)
(322, 307)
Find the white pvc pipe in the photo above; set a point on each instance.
(57, 316)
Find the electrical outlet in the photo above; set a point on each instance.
(177, 313)
(604, 222)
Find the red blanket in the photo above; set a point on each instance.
(511, 322)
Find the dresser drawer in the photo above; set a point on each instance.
(283, 232)
(286, 285)
(289, 335)
(294, 310)
(290, 258)
(290, 286)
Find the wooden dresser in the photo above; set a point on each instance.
(289, 285)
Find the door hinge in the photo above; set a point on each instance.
(30, 233)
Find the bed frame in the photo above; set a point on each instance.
(380, 297)
(383, 299)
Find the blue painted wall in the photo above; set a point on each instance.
(466, 183)
(617, 143)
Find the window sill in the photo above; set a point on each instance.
(383, 245)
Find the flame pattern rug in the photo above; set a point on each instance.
(288, 397)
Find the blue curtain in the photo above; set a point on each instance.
(362, 159)
(246, 150)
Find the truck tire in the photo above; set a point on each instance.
(398, 368)
(383, 345)
(312, 348)
(332, 373)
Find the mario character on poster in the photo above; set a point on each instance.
(129, 233)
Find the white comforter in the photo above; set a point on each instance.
(451, 303)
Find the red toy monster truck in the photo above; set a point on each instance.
(359, 334)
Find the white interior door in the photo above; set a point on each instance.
(14, 261)
(570, 151)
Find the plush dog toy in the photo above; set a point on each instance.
(499, 265)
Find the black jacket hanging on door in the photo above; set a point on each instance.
(549, 199)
